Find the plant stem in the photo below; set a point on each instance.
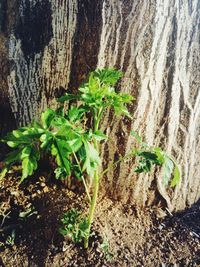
(92, 207)
(86, 188)
(95, 193)
(111, 165)
(82, 177)
(96, 185)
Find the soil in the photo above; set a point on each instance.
(29, 222)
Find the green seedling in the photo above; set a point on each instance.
(74, 137)
(106, 250)
(11, 238)
(30, 211)
(74, 225)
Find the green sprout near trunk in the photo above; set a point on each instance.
(73, 139)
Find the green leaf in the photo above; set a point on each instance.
(99, 136)
(25, 152)
(137, 137)
(108, 76)
(168, 167)
(76, 113)
(75, 144)
(92, 160)
(148, 155)
(176, 177)
(93, 83)
(13, 157)
(27, 168)
(67, 97)
(59, 121)
(29, 161)
(3, 173)
(60, 152)
(144, 165)
(160, 155)
(46, 140)
(12, 144)
(47, 117)
(60, 173)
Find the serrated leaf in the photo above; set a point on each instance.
(108, 76)
(59, 122)
(160, 155)
(93, 83)
(76, 113)
(148, 155)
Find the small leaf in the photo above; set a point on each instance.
(168, 167)
(137, 137)
(12, 144)
(25, 152)
(160, 155)
(92, 160)
(75, 144)
(46, 140)
(60, 173)
(99, 136)
(27, 168)
(176, 176)
(67, 97)
(13, 157)
(108, 76)
(47, 116)
(76, 113)
(3, 173)
(148, 155)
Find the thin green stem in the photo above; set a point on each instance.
(111, 165)
(92, 207)
(82, 177)
(97, 118)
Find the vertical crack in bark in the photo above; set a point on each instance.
(86, 41)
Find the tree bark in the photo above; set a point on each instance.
(48, 46)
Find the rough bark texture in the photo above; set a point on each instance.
(50, 45)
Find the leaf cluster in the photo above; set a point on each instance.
(147, 157)
(65, 135)
(74, 225)
(99, 93)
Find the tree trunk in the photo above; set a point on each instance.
(47, 46)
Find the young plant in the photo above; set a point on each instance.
(74, 225)
(73, 139)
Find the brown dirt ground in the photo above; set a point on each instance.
(136, 237)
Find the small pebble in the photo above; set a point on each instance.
(46, 189)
